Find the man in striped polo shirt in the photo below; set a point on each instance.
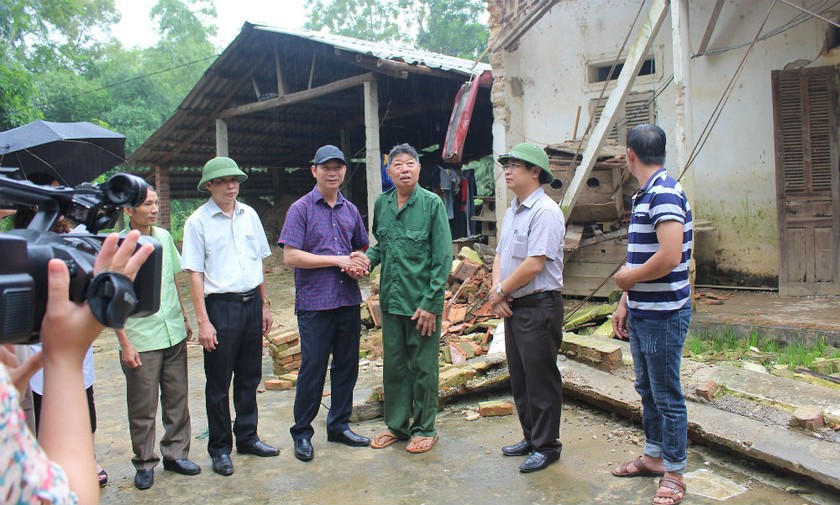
(655, 311)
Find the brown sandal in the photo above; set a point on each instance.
(415, 447)
(635, 468)
(675, 490)
(384, 439)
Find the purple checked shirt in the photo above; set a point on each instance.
(314, 227)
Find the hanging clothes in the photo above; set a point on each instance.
(468, 176)
(449, 185)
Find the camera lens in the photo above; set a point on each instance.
(125, 190)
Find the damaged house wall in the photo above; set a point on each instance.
(552, 70)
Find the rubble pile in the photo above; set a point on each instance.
(468, 320)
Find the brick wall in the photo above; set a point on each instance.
(162, 185)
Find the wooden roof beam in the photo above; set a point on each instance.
(300, 96)
(369, 63)
(281, 83)
(710, 28)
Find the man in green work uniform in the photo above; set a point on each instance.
(414, 246)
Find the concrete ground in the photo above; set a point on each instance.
(465, 467)
(769, 315)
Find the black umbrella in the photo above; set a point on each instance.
(72, 153)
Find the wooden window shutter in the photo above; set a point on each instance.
(803, 101)
(638, 109)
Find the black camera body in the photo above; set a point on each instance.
(24, 254)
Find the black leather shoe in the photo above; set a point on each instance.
(538, 461)
(222, 465)
(521, 449)
(182, 466)
(347, 437)
(144, 479)
(259, 448)
(304, 450)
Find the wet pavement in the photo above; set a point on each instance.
(802, 319)
(465, 467)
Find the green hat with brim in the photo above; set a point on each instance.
(218, 168)
(532, 154)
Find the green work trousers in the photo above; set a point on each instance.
(410, 377)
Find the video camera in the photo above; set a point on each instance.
(25, 254)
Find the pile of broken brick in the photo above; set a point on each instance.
(467, 330)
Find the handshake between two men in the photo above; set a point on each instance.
(357, 265)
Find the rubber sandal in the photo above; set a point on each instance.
(675, 490)
(383, 439)
(638, 464)
(416, 441)
(103, 478)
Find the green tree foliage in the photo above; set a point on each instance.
(452, 27)
(17, 92)
(64, 74)
(376, 20)
(45, 34)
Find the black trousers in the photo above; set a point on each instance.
(325, 332)
(532, 340)
(38, 399)
(237, 355)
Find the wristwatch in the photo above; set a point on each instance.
(499, 289)
(267, 301)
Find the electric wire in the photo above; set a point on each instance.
(715, 115)
(113, 85)
(794, 22)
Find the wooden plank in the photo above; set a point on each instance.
(373, 154)
(574, 233)
(300, 96)
(583, 286)
(603, 238)
(592, 269)
(517, 29)
(707, 35)
(281, 83)
(221, 138)
(635, 59)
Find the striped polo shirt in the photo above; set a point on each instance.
(661, 199)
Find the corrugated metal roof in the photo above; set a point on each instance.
(386, 50)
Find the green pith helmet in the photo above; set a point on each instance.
(534, 155)
(217, 168)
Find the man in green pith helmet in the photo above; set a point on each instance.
(224, 245)
(527, 279)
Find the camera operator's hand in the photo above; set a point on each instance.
(67, 332)
(69, 328)
(19, 372)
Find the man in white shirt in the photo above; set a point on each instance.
(224, 245)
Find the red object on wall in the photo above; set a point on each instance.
(459, 122)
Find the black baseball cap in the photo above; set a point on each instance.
(327, 153)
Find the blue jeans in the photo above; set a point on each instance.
(656, 345)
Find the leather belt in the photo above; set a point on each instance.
(235, 297)
(534, 300)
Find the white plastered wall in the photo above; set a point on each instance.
(734, 175)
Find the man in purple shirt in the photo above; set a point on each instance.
(320, 232)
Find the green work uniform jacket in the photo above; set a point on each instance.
(414, 246)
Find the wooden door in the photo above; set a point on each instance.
(807, 180)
